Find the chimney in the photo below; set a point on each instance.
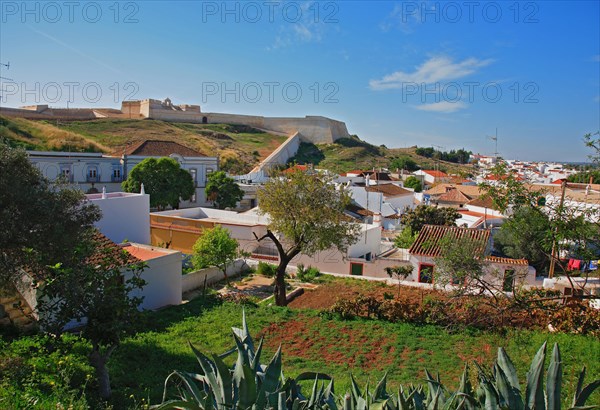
(142, 192)
(377, 221)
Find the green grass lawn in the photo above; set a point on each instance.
(365, 348)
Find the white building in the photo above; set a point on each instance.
(125, 216)
(181, 228)
(91, 171)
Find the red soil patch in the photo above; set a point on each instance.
(353, 347)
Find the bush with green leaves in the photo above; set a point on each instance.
(307, 274)
(251, 385)
(266, 269)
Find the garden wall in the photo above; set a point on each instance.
(195, 280)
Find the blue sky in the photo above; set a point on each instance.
(405, 73)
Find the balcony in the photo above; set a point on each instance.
(92, 178)
(116, 179)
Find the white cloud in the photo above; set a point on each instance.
(445, 107)
(308, 29)
(436, 69)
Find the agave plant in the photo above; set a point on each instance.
(251, 385)
(248, 384)
(498, 390)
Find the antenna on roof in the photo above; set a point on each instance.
(495, 139)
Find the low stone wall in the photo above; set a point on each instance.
(195, 280)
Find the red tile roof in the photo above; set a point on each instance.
(388, 190)
(455, 196)
(428, 240)
(106, 250)
(486, 202)
(144, 253)
(436, 174)
(507, 261)
(158, 148)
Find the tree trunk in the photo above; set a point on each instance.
(279, 291)
(99, 361)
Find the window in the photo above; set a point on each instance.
(194, 174)
(425, 273)
(65, 172)
(356, 269)
(92, 174)
(208, 172)
(116, 176)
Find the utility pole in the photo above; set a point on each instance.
(554, 246)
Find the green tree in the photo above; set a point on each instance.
(48, 229)
(215, 247)
(429, 215)
(403, 162)
(164, 180)
(526, 234)
(99, 293)
(414, 183)
(405, 238)
(222, 190)
(461, 261)
(42, 223)
(308, 212)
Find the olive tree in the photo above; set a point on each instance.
(306, 215)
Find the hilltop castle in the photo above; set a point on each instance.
(315, 129)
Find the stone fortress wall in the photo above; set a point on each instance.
(315, 129)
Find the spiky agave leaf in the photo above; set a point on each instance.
(554, 380)
(534, 394)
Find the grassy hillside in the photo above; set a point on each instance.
(352, 153)
(239, 147)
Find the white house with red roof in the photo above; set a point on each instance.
(431, 176)
(504, 273)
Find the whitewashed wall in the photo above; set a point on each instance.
(195, 280)
(125, 216)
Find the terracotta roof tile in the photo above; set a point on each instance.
(105, 248)
(482, 202)
(470, 190)
(428, 240)
(435, 174)
(507, 261)
(159, 148)
(388, 190)
(453, 195)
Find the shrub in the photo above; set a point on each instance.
(266, 269)
(307, 274)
